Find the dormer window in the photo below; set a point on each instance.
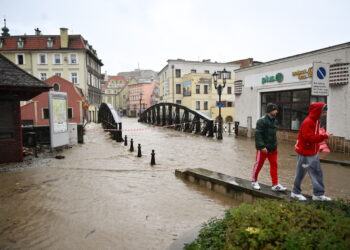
(20, 42)
(49, 42)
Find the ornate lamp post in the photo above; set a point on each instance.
(219, 88)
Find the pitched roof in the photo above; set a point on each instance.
(40, 42)
(13, 78)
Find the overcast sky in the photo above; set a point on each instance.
(128, 33)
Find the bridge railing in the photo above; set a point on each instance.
(180, 117)
(110, 121)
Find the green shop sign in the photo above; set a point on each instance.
(277, 78)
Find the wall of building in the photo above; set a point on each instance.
(248, 103)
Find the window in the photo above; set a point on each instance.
(292, 107)
(193, 71)
(57, 58)
(177, 73)
(70, 113)
(198, 105)
(206, 87)
(205, 105)
(74, 77)
(206, 72)
(178, 102)
(229, 104)
(58, 74)
(56, 87)
(198, 89)
(20, 59)
(1, 42)
(49, 42)
(178, 88)
(43, 76)
(73, 59)
(42, 58)
(229, 90)
(20, 43)
(46, 113)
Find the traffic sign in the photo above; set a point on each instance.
(220, 104)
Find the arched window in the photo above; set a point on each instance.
(56, 87)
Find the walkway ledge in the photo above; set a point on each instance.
(234, 187)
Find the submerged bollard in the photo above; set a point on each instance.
(139, 154)
(131, 145)
(125, 141)
(153, 159)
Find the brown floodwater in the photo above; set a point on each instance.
(101, 196)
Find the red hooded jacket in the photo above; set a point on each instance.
(309, 135)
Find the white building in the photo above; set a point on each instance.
(288, 83)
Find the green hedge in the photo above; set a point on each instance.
(273, 224)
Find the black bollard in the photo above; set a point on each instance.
(125, 141)
(139, 154)
(153, 159)
(131, 145)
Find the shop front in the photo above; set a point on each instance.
(293, 83)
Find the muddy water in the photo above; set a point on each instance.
(101, 196)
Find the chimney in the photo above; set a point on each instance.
(64, 38)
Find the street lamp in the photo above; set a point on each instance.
(219, 88)
(140, 104)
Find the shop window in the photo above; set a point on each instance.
(292, 107)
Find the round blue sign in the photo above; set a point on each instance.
(321, 73)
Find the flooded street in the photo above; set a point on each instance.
(101, 196)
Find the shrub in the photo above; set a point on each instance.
(273, 224)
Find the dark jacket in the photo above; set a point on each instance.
(265, 133)
(309, 135)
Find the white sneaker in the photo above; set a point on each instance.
(256, 185)
(278, 188)
(299, 197)
(321, 198)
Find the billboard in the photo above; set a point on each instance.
(58, 108)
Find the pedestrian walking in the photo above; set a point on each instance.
(266, 147)
(307, 148)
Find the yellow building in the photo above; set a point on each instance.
(190, 83)
(111, 92)
(69, 56)
(200, 94)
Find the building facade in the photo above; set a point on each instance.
(68, 56)
(179, 75)
(289, 82)
(111, 92)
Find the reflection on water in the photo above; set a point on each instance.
(101, 196)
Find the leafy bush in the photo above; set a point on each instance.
(272, 224)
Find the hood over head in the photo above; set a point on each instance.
(315, 110)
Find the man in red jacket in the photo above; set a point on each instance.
(307, 147)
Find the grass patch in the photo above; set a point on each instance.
(278, 224)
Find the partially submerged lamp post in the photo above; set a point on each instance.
(219, 87)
